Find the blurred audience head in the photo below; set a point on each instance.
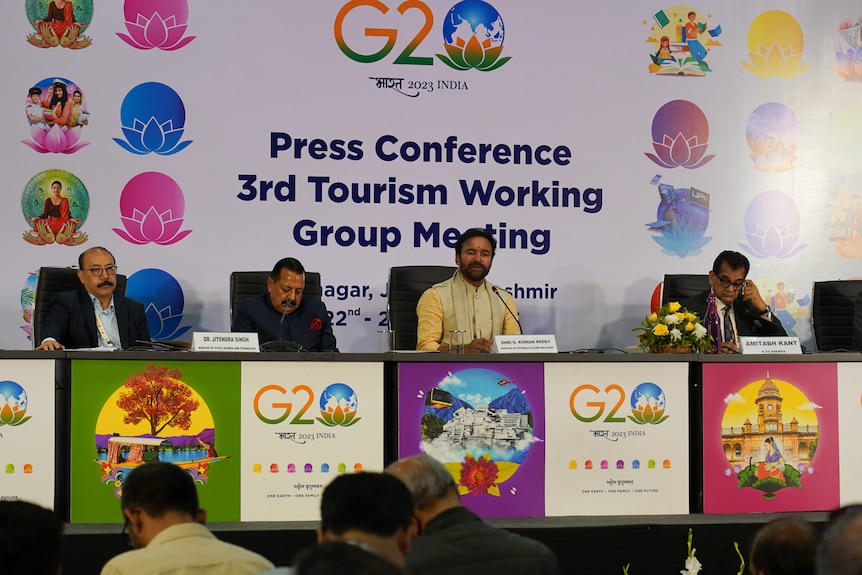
(428, 480)
(368, 508)
(155, 496)
(785, 546)
(339, 557)
(840, 551)
(31, 539)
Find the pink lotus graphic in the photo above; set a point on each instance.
(156, 24)
(680, 133)
(57, 140)
(151, 208)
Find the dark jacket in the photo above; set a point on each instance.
(71, 320)
(747, 323)
(309, 325)
(458, 542)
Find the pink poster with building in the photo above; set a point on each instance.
(770, 437)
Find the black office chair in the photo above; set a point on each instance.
(832, 313)
(406, 284)
(677, 287)
(50, 281)
(248, 284)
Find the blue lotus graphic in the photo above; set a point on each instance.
(163, 300)
(153, 118)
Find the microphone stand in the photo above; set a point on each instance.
(280, 344)
(496, 290)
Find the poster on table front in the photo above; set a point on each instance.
(302, 425)
(849, 431)
(617, 438)
(486, 423)
(27, 431)
(115, 429)
(770, 437)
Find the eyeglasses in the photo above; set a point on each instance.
(726, 283)
(97, 272)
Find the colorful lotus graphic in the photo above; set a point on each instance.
(338, 406)
(57, 140)
(473, 36)
(156, 24)
(848, 50)
(152, 207)
(772, 224)
(13, 404)
(163, 301)
(28, 292)
(62, 27)
(772, 135)
(55, 204)
(775, 43)
(153, 120)
(648, 404)
(680, 134)
(681, 220)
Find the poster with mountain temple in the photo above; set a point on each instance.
(486, 423)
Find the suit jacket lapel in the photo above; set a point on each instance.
(89, 316)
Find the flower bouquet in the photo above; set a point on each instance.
(673, 329)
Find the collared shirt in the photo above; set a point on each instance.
(108, 318)
(187, 549)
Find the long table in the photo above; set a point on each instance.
(528, 434)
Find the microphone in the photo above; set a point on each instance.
(280, 344)
(496, 290)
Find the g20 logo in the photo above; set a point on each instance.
(337, 405)
(473, 34)
(647, 403)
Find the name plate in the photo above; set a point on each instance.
(228, 341)
(769, 345)
(524, 344)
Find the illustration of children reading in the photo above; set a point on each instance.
(663, 53)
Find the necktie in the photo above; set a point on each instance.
(729, 335)
(713, 326)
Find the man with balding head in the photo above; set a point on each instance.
(455, 541)
(94, 316)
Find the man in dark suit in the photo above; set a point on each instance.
(94, 316)
(740, 309)
(281, 314)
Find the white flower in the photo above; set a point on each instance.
(672, 319)
(675, 334)
(699, 331)
(692, 566)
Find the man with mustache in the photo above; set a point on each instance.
(733, 303)
(467, 302)
(94, 316)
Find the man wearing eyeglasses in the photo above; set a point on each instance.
(94, 316)
(740, 308)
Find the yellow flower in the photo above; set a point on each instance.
(652, 317)
(689, 326)
(673, 306)
(660, 330)
(690, 316)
